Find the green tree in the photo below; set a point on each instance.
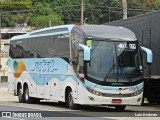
(68, 11)
(99, 12)
(40, 8)
(43, 21)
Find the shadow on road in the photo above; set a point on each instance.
(95, 109)
(90, 111)
(85, 108)
(151, 104)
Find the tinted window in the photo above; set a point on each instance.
(20, 49)
(61, 47)
(102, 61)
(41, 47)
(11, 50)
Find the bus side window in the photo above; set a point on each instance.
(11, 49)
(61, 47)
(19, 51)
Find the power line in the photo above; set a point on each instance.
(93, 6)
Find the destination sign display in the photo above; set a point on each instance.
(129, 46)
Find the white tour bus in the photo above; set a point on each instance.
(86, 65)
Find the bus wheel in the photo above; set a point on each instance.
(70, 100)
(26, 95)
(120, 107)
(20, 95)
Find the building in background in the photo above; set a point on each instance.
(6, 34)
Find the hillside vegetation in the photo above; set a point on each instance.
(55, 12)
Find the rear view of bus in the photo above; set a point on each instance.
(85, 65)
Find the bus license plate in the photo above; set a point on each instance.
(116, 101)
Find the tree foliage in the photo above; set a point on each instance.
(43, 20)
(68, 12)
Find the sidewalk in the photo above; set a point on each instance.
(5, 95)
(3, 85)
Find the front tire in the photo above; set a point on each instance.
(120, 107)
(70, 100)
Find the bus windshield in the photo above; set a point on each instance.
(114, 62)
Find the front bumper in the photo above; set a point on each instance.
(91, 99)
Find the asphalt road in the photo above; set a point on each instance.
(12, 113)
(9, 102)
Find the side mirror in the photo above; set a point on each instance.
(149, 54)
(86, 50)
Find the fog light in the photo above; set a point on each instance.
(91, 98)
(138, 99)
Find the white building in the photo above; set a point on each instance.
(6, 34)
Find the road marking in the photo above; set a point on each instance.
(15, 118)
(67, 110)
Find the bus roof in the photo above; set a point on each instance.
(45, 32)
(109, 32)
(95, 31)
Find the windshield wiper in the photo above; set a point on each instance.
(110, 70)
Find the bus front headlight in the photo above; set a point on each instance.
(137, 92)
(95, 92)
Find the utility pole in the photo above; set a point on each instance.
(0, 48)
(50, 23)
(82, 11)
(124, 3)
(109, 13)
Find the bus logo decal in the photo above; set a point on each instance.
(19, 67)
(44, 66)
